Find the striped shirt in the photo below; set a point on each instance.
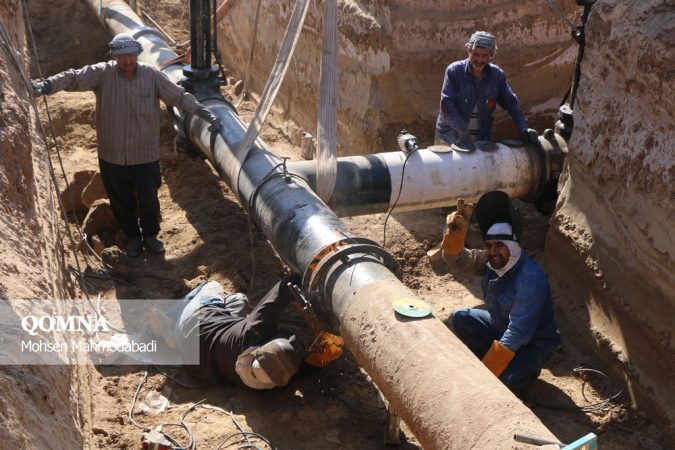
(127, 109)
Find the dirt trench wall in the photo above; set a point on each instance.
(38, 404)
(393, 56)
(611, 246)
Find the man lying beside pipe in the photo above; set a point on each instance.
(517, 334)
(236, 347)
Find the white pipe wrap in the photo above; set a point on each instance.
(438, 179)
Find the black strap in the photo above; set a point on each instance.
(499, 237)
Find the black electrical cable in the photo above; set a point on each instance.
(180, 382)
(597, 406)
(52, 134)
(251, 50)
(245, 434)
(13, 56)
(601, 404)
(12, 53)
(268, 176)
(400, 189)
(110, 278)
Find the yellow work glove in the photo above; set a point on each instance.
(327, 347)
(497, 358)
(456, 225)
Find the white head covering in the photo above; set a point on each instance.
(482, 39)
(270, 365)
(504, 231)
(124, 44)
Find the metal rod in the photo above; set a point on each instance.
(156, 25)
(535, 440)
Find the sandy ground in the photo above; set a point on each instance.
(206, 233)
(207, 236)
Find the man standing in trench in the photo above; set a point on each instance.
(517, 334)
(127, 131)
(472, 89)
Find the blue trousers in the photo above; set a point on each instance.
(207, 293)
(474, 328)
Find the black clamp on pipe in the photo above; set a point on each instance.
(340, 251)
(552, 150)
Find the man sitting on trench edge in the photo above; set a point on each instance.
(517, 334)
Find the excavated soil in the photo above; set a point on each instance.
(206, 233)
(208, 236)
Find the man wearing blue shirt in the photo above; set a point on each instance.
(517, 333)
(471, 91)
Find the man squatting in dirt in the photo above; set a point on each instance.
(236, 347)
(517, 334)
(127, 131)
(472, 88)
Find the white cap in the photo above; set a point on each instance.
(124, 44)
(270, 365)
(501, 231)
(482, 39)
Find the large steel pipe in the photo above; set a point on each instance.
(444, 394)
(371, 184)
(436, 385)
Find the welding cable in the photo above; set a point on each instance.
(593, 407)
(251, 50)
(249, 222)
(109, 278)
(245, 435)
(13, 57)
(133, 403)
(59, 195)
(180, 382)
(57, 148)
(268, 176)
(12, 54)
(602, 403)
(400, 189)
(183, 425)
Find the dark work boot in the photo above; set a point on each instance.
(134, 246)
(153, 245)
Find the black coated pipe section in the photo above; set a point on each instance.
(363, 185)
(295, 221)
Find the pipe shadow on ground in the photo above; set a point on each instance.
(222, 240)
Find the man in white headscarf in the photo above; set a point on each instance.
(517, 334)
(127, 132)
